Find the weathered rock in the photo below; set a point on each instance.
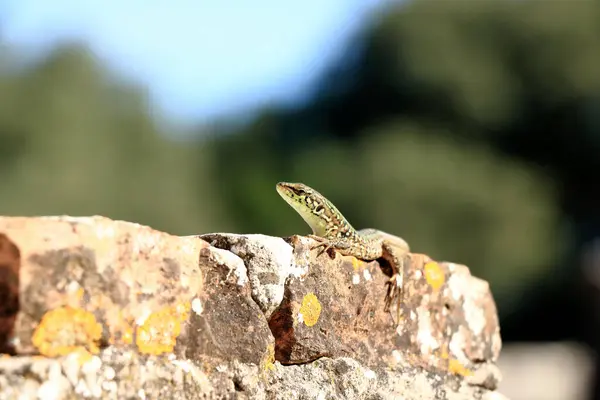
(97, 308)
(336, 308)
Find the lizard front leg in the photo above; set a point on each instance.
(329, 244)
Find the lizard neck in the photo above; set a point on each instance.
(320, 214)
(335, 224)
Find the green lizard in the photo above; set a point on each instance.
(332, 231)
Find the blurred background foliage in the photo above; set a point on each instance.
(469, 128)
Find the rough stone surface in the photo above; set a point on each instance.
(96, 308)
(269, 262)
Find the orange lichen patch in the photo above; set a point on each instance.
(65, 330)
(82, 355)
(455, 367)
(434, 275)
(159, 332)
(310, 309)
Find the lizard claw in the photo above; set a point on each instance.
(323, 244)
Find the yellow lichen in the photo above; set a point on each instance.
(127, 335)
(79, 295)
(434, 275)
(455, 367)
(158, 334)
(269, 359)
(356, 264)
(310, 309)
(65, 330)
(267, 363)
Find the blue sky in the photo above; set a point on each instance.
(199, 58)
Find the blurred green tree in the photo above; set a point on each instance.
(76, 140)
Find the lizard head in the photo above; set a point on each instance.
(307, 202)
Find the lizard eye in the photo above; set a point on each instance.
(319, 209)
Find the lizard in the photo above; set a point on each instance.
(332, 231)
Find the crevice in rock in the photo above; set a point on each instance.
(281, 325)
(237, 386)
(222, 243)
(309, 361)
(10, 265)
